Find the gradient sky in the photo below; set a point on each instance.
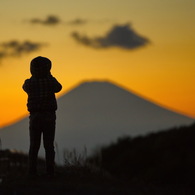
(161, 69)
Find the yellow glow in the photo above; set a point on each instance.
(163, 71)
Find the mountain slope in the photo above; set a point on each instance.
(96, 113)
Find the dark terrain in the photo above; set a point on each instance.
(161, 163)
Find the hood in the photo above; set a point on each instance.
(40, 67)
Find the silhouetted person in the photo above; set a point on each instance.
(41, 89)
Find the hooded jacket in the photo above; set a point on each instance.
(41, 87)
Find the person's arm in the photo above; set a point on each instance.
(25, 86)
(56, 85)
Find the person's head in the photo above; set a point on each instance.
(40, 67)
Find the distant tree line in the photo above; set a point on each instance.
(165, 157)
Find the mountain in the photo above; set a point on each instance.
(94, 114)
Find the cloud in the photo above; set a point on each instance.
(16, 48)
(122, 36)
(2, 54)
(77, 21)
(54, 20)
(50, 20)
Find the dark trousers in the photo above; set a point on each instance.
(42, 123)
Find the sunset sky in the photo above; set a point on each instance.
(145, 46)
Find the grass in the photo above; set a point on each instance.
(76, 177)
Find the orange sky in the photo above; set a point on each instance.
(163, 70)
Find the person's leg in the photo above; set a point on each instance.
(48, 140)
(35, 140)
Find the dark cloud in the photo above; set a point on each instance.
(84, 39)
(2, 54)
(119, 36)
(50, 20)
(77, 21)
(54, 20)
(16, 48)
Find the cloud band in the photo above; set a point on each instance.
(119, 36)
(16, 48)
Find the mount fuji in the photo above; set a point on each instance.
(95, 114)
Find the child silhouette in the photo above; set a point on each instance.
(41, 89)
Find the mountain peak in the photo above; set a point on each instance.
(98, 87)
(96, 113)
(96, 83)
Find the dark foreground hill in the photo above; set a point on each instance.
(83, 180)
(161, 163)
(165, 158)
